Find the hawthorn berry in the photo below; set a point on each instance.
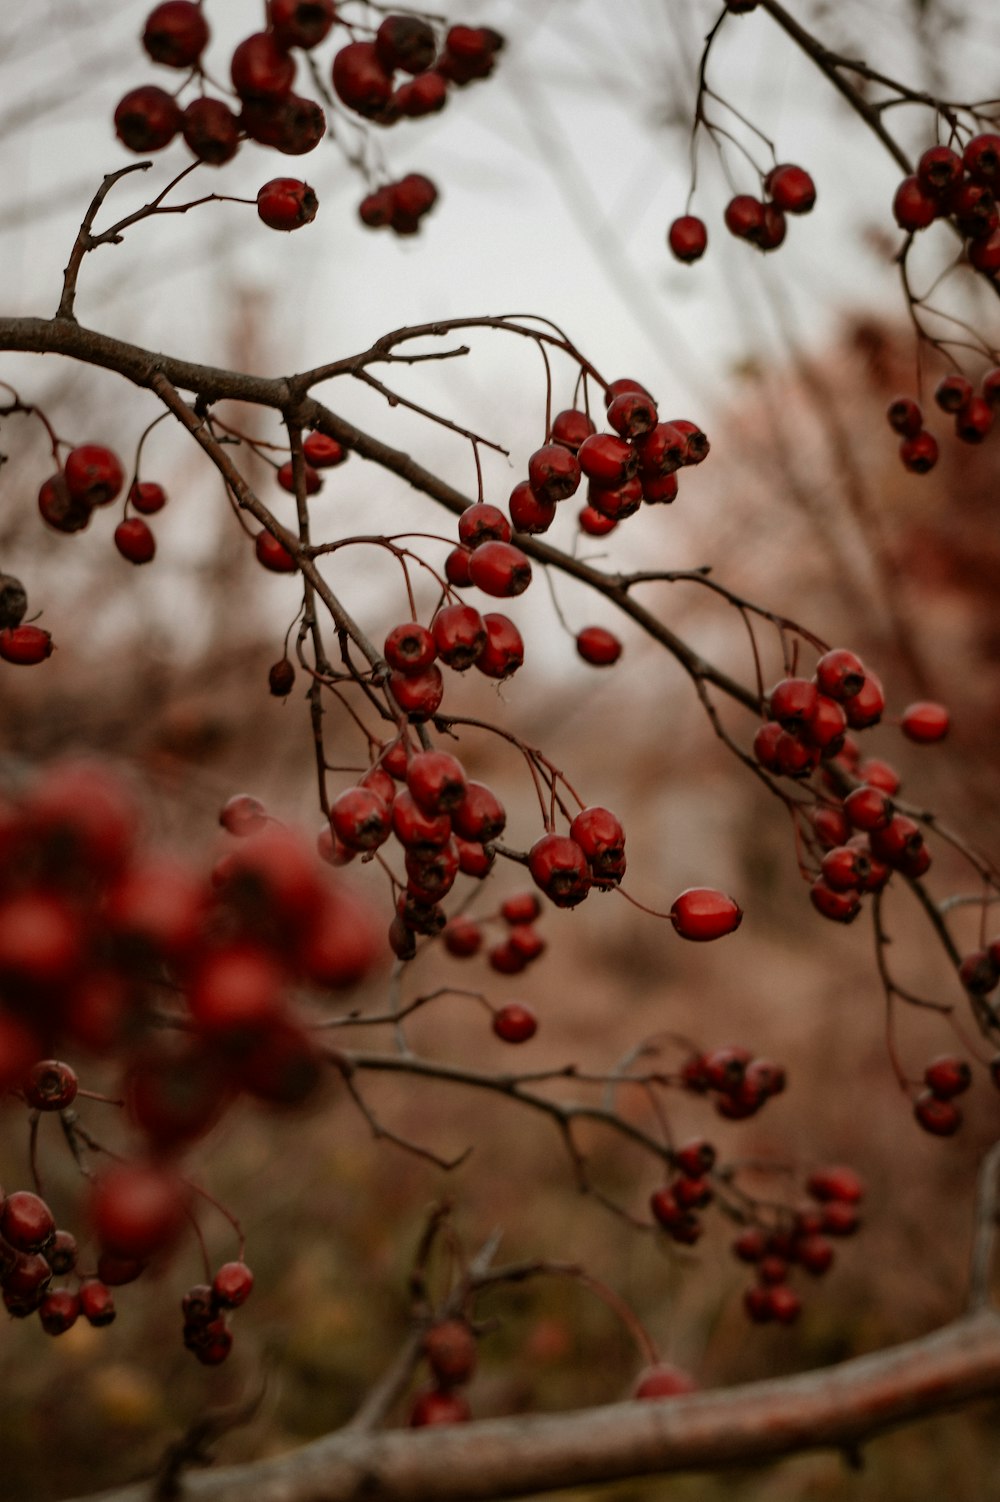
(981, 158)
(26, 1222)
(462, 937)
(937, 1115)
(925, 723)
(438, 1406)
(148, 497)
(515, 1023)
(744, 217)
(134, 540)
(232, 1285)
(607, 459)
(865, 708)
(437, 781)
(261, 68)
(502, 655)
(323, 452)
(138, 1208)
(790, 188)
(58, 1311)
(312, 480)
(701, 914)
(594, 522)
(837, 905)
(93, 474)
(571, 428)
(50, 1086)
(559, 867)
(280, 678)
(361, 819)
(273, 555)
(410, 648)
(974, 421)
(25, 645)
(599, 647)
(905, 416)
(419, 695)
(147, 119)
(480, 815)
(953, 392)
(913, 208)
(688, 238)
(300, 23)
(600, 836)
(459, 635)
(553, 472)
(529, 512)
(286, 204)
(947, 1076)
(405, 42)
(450, 1350)
(483, 523)
(359, 79)
(176, 33)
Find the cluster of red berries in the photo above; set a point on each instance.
(948, 1076)
(959, 187)
(91, 477)
(21, 644)
(318, 452)
(739, 1082)
(803, 1243)
(521, 944)
(400, 206)
(787, 189)
(449, 1348)
(956, 395)
(271, 113)
(33, 1251)
(205, 1307)
(862, 836)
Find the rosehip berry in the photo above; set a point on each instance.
(359, 79)
(134, 540)
(147, 119)
(285, 203)
(913, 208)
(559, 867)
(176, 33)
(702, 914)
(597, 646)
(608, 459)
(936, 1115)
(262, 69)
(688, 238)
(147, 497)
(459, 636)
(51, 1086)
(791, 188)
(571, 428)
(515, 1023)
(93, 474)
(410, 648)
(502, 655)
(920, 453)
(26, 1222)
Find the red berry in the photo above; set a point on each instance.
(450, 1350)
(553, 472)
(405, 42)
(700, 913)
(359, 79)
(865, 708)
(300, 23)
(688, 238)
(312, 480)
(147, 119)
(50, 1086)
(134, 540)
(608, 459)
(361, 819)
(58, 1311)
(616, 504)
(696, 1158)
(462, 937)
(323, 452)
(919, 453)
(597, 646)
(419, 695)
(273, 555)
(939, 169)
(632, 414)
(913, 208)
(176, 33)
(791, 188)
(594, 522)
(93, 474)
(280, 678)
(232, 1285)
(97, 1304)
(571, 428)
(480, 816)
(459, 635)
(981, 158)
(868, 808)
(26, 1222)
(515, 1023)
(905, 416)
(840, 907)
(147, 497)
(925, 722)
(600, 836)
(500, 569)
(262, 69)
(529, 512)
(25, 645)
(410, 648)
(437, 781)
(785, 1304)
(662, 450)
(974, 421)
(138, 1209)
(938, 1116)
(953, 392)
(285, 203)
(663, 1381)
(559, 867)
(947, 1076)
(436, 1406)
(502, 655)
(483, 523)
(836, 1183)
(793, 702)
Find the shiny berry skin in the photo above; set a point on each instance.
(791, 188)
(459, 636)
(261, 69)
(920, 453)
(323, 452)
(597, 646)
(515, 1023)
(616, 504)
(702, 914)
(530, 513)
(176, 33)
(953, 392)
(899, 842)
(147, 497)
(503, 653)
(975, 420)
(483, 523)
(936, 1115)
(211, 130)
(662, 450)
(840, 675)
(419, 695)
(359, 79)
(868, 809)
(973, 209)
(826, 727)
(50, 1086)
(688, 238)
(607, 459)
(981, 158)
(925, 722)
(410, 648)
(361, 819)
(480, 816)
(312, 480)
(865, 708)
(947, 1076)
(147, 119)
(436, 780)
(286, 204)
(61, 1253)
(836, 1183)
(25, 645)
(462, 937)
(600, 836)
(793, 702)
(939, 169)
(905, 416)
(984, 255)
(879, 774)
(632, 414)
(773, 228)
(594, 523)
(93, 474)
(839, 906)
(559, 867)
(59, 509)
(97, 1303)
(500, 569)
(423, 832)
(26, 1222)
(663, 1381)
(913, 208)
(273, 555)
(58, 1311)
(242, 815)
(134, 540)
(232, 1285)
(300, 23)
(554, 472)
(571, 428)
(744, 217)
(845, 868)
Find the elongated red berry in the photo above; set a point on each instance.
(702, 913)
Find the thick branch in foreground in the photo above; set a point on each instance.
(837, 1408)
